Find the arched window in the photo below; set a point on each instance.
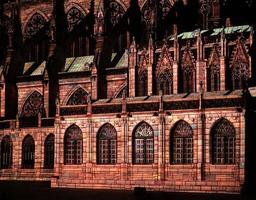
(79, 97)
(142, 83)
(189, 81)
(143, 144)
(223, 142)
(214, 78)
(6, 153)
(49, 152)
(36, 43)
(82, 45)
(106, 145)
(73, 146)
(33, 105)
(181, 143)
(28, 152)
(240, 74)
(165, 82)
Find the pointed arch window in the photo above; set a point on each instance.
(36, 43)
(73, 146)
(107, 145)
(165, 82)
(223, 142)
(240, 74)
(214, 78)
(49, 152)
(28, 152)
(6, 153)
(74, 17)
(82, 45)
(79, 97)
(143, 83)
(181, 143)
(33, 105)
(143, 144)
(189, 79)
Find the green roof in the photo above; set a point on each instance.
(81, 64)
(123, 62)
(231, 30)
(27, 66)
(216, 31)
(40, 69)
(69, 61)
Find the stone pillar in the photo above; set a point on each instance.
(150, 66)
(222, 62)
(46, 93)
(222, 73)
(132, 64)
(94, 82)
(241, 163)
(175, 69)
(201, 74)
(161, 148)
(124, 137)
(2, 96)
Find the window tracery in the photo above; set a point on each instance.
(74, 17)
(223, 142)
(239, 66)
(107, 139)
(73, 146)
(33, 105)
(143, 144)
(164, 72)
(117, 12)
(189, 72)
(148, 9)
(79, 97)
(34, 25)
(182, 143)
(214, 71)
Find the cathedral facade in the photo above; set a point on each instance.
(118, 95)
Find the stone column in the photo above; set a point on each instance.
(132, 64)
(150, 66)
(94, 82)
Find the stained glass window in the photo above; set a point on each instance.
(79, 97)
(33, 105)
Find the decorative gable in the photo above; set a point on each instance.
(214, 59)
(239, 54)
(165, 61)
(143, 62)
(188, 60)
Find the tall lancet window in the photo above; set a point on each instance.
(6, 152)
(213, 71)
(188, 72)
(36, 38)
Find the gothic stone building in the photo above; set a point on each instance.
(165, 114)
